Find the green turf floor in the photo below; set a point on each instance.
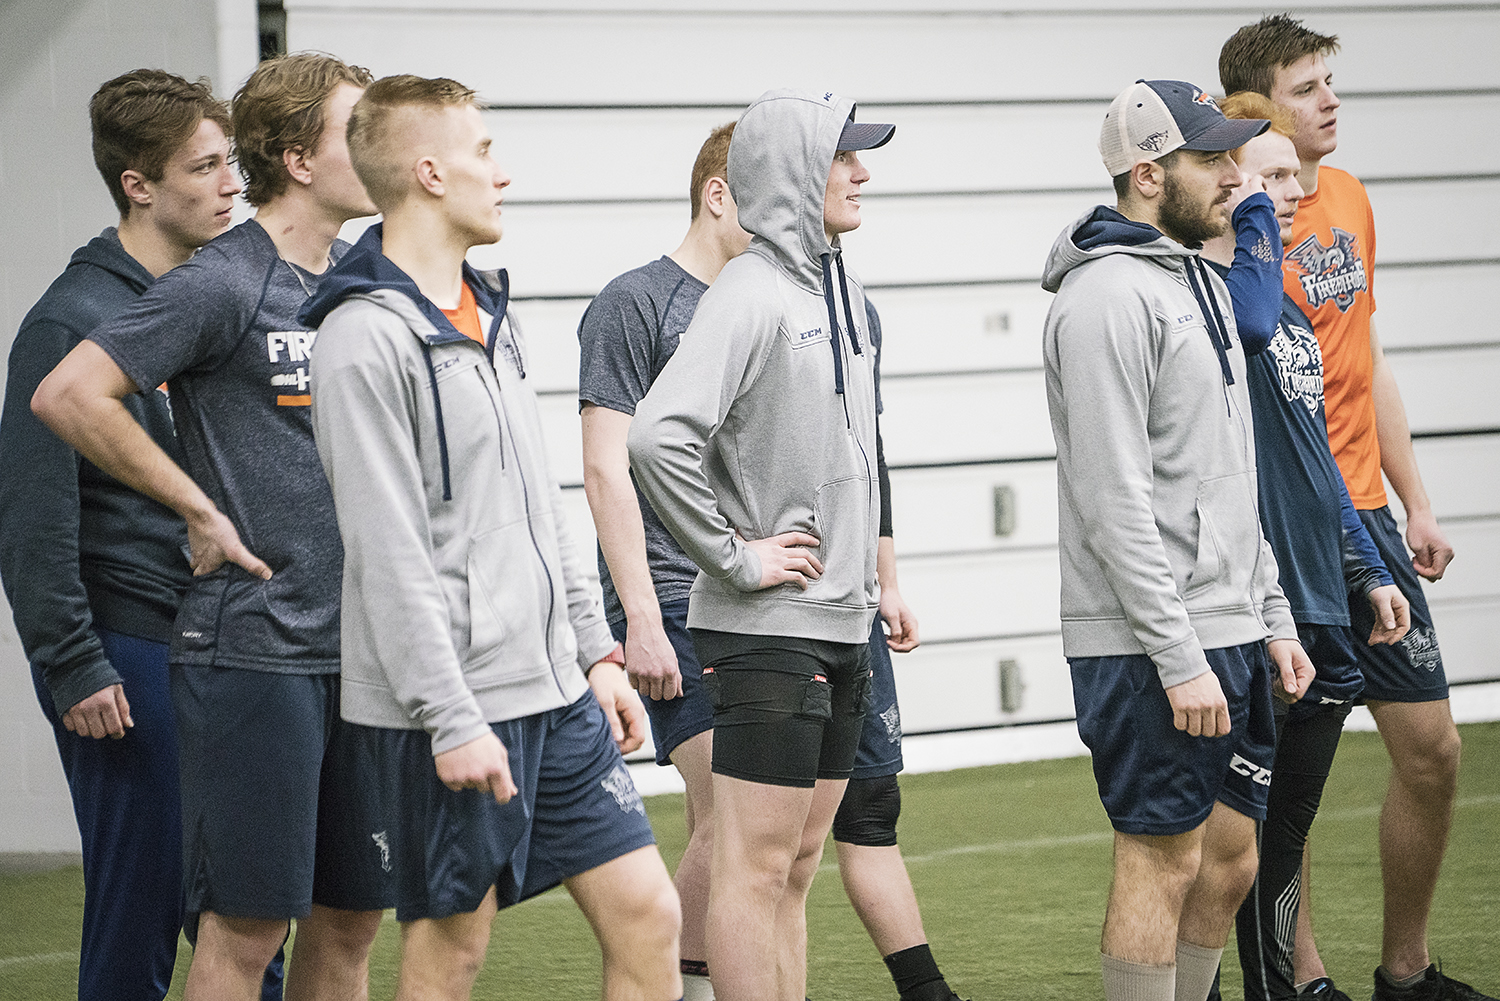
(1010, 863)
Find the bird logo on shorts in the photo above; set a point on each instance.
(619, 785)
(384, 844)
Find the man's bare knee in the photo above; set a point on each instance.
(248, 944)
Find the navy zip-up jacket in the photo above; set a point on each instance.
(78, 547)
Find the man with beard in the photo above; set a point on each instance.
(1171, 613)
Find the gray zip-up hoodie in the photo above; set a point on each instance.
(463, 601)
(763, 422)
(1159, 534)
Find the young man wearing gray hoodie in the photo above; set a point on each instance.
(1170, 600)
(482, 689)
(756, 447)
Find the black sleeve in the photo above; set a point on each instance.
(884, 472)
(39, 560)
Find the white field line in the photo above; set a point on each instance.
(1060, 841)
(997, 847)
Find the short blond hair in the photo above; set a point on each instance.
(1249, 104)
(374, 139)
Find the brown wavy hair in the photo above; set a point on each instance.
(281, 108)
(1251, 57)
(139, 120)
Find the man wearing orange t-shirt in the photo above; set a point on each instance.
(1329, 273)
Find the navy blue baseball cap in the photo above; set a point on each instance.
(864, 135)
(1151, 118)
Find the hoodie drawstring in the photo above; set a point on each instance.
(833, 323)
(848, 313)
(1218, 332)
(437, 406)
(835, 334)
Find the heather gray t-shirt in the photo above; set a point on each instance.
(626, 337)
(222, 332)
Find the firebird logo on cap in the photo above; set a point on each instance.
(1154, 142)
(1201, 98)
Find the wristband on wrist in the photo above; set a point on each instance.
(615, 656)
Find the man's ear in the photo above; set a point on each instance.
(134, 184)
(1148, 179)
(715, 191)
(430, 176)
(295, 160)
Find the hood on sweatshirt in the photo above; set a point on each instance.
(1103, 231)
(365, 269)
(779, 160)
(106, 252)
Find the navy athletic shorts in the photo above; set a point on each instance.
(1338, 681)
(1155, 779)
(675, 721)
(787, 710)
(435, 852)
(1411, 670)
(879, 752)
(252, 752)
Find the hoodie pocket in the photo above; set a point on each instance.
(1228, 542)
(508, 604)
(841, 521)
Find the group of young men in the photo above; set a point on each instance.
(1223, 412)
(332, 618)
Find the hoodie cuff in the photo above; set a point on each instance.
(456, 725)
(1180, 663)
(1278, 616)
(70, 685)
(745, 574)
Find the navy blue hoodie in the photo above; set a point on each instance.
(77, 547)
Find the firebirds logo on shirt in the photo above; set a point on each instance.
(1333, 273)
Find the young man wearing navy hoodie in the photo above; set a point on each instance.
(778, 504)
(1171, 613)
(95, 571)
(486, 702)
(254, 653)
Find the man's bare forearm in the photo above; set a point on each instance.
(81, 402)
(1398, 460)
(617, 512)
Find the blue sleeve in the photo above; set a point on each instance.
(1364, 570)
(1254, 279)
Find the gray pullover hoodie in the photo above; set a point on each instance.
(763, 422)
(463, 601)
(1159, 534)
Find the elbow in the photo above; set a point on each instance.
(49, 402)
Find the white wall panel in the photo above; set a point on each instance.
(648, 152)
(951, 510)
(574, 249)
(984, 595)
(1437, 306)
(1462, 475)
(1466, 637)
(957, 685)
(1450, 390)
(614, 58)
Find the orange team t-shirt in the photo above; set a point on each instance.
(1329, 271)
(466, 316)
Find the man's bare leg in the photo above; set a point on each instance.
(1307, 965)
(331, 959)
(758, 836)
(229, 960)
(1424, 747)
(791, 914)
(694, 759)
(879, 888)
(441, 957)
(1226, 872)
(632, 906)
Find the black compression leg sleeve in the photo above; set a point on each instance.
(1266, 925)
(868, 814)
